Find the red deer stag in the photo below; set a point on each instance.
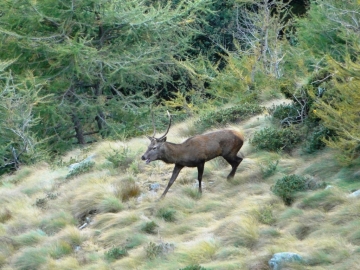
(195, 151)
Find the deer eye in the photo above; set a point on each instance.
(154, 147)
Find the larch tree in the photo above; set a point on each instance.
(100, 61)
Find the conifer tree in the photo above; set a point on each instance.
(339, 109)
(100, 60)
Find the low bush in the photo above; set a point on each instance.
(272, 139)
(149, 227)
(120, 158)
(315, 140)
(224, 116)
(269, 168)
(115, 253)
(287, 186)
(265, 214)
(82, 168)
(153, 250)
(285, 113)
(168, 214)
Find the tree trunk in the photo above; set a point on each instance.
(79, 133)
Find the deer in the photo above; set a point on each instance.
(195, 151)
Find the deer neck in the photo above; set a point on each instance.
(170, 152)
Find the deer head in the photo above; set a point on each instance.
(154, 149)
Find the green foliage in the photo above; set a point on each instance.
(110, 205)
(339, 110)
(325, 199)
(115, 253)
(133, 241)
(153, 250)
(265, 214)
(287, 186)
(30, 238)
(285, 113)
(80, 168)
(225, 116)
(19, 98)
(99, 66)
(167, 213)
(192, 193)
(17, 177)
(57, 221)
(30, 259)
(272, 139)
(149, 227)
(60, 249)
(269, 168)
(328, 28)
(316, 139)
(120, 158)
(193, 267)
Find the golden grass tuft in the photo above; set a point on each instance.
(243, 232)
(199, 252)
(30, 258)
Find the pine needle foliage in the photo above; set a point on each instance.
(339, 110)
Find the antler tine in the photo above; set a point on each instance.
(163, 136)
(153, 122)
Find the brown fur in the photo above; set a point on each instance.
(195, 151)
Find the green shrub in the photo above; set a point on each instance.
(265, 214)
(284, 113)
(153, 250)
(82, 167)
(287, 186)
(149, 227)
(168, 214)
(134, 240)
(315, 140)
(272, 139)
(115, 253)
(269, 168)
(120, 158)
(224, 116)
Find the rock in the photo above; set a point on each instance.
(154, 186)
(278, 259)
(355, 194)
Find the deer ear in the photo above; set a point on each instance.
(162, 140)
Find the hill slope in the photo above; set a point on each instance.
(101, 214)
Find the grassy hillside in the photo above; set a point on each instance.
(102, 215)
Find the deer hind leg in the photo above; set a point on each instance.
(234, 162)
(200, 174)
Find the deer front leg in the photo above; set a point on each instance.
(174, 175)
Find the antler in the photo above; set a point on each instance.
(163, 136)
(153, 122)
